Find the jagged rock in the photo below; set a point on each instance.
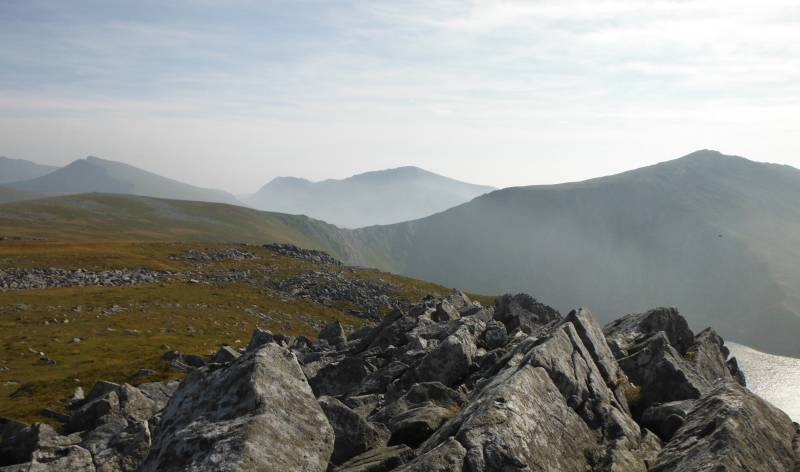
(260, 338)
(593, 339)
(665, 418)
(708, 356)
(126, 401)
(60, 459)
(447, 457)
(77, 398)
(731, 429)
(144, 373)
(630, 330)
(434, 393)
(620, 458)
(394, 334)
(181, 367)
(191, 360)
(736, 373)
(450, 360)
(378, 381)
(353, 434)
(664, 364)
(257, 413)
(445, 311)
(10, 428)
(159, 392)
(518, 420)
(118, 445)
(333, 333)
(19, 448)
(335, 380)
(573, 371)
(383, 459)
(99, 389)
(225, 354)
(416, 424)
(523, 312)
(361, 333)
(495, 335)
(364, 405)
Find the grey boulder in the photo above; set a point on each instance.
(258, 413)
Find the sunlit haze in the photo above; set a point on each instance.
(230, 94)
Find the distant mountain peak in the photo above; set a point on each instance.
(17, 170)
(376, 197)
(94, 174)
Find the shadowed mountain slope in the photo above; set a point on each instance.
(15, 170)
(718, 236)
(99, 175)
(380, 197)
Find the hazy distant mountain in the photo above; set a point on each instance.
(373, 198)
(99, 175)
(15, 170)
(717, 236)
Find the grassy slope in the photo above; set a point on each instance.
(125, 217)
(10, 195)
(214, 312)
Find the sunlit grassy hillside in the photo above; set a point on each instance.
(124, 329)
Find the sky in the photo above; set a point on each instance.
(231, 94)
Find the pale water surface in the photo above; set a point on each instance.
(773, 378)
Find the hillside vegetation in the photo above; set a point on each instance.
(201, 305)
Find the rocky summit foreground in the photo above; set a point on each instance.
(448, 385)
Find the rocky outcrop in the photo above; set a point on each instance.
(664, 361)
(731, 429)
(258, 413)
(446, 386)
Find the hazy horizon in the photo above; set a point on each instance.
(233, 94)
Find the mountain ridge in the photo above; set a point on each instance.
(94, 174)
(16, 170)
(706, 226)
(377, 197)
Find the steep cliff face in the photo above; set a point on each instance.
(449, 385)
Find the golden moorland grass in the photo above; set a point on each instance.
(124, 329)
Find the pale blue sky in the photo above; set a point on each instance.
(231, 94)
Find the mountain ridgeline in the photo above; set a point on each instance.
(373, 198)
(15, 170)
(717, 236)
(99, 175)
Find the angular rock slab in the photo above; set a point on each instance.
(383, 459)
(732, 430)
(354, 435)
(520, 421)
(257, 414)
(62, 459)
(447, 457)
